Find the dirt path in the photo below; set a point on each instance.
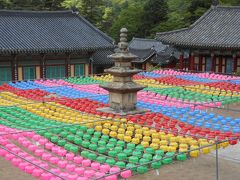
(9, 172)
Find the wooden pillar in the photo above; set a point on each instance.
(200, 62)
(68, 66)
(213, 58)
(86, 66)
(220, 64)
(90, 64)
(144, 66)
(14, 66)
(234, 63)
(20, 73)
(38, 72)
(43, 66)
(191, 62)
(90, 68)
(225, 63)
(72, 70)
(181, 58)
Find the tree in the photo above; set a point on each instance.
(107, 19)
(32, 4)
(176, 18)
(4, 4)
(129, 18)
(71, 4)
(21, 4)
(197, 9)
(155, 12)
(231, 2)
(52, 4)
(92, 10)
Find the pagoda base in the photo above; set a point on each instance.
(122, 113)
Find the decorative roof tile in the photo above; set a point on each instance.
(49, 32)
(218, 28)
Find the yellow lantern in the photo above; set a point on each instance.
(145, 144)
(155, 146)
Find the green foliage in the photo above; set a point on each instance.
(71, 4)
(154, 13)
(129, 18)
(4, 4)
(51, 4)
(107, 18)
(230, 2)
(197, 9)
(92, 10)
(31, 4)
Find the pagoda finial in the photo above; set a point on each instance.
(123, 44)
(215, 2)
(122, 90)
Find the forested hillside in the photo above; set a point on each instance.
(143, 18)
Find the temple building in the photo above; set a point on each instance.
(212, 42)
(152, 53)
(47, 44)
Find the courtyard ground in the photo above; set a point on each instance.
(202, 168)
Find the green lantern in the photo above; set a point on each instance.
(111, 162)
(142, 169)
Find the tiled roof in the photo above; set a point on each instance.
(167, 56)
(143, 44)
(218, 28)
(164, 60)
(152, 49)
(142, 54)
(45, 31)
(101, 57)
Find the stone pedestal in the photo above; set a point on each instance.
(123, 90)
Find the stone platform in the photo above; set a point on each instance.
(122, 113)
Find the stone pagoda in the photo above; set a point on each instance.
(122, 91)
